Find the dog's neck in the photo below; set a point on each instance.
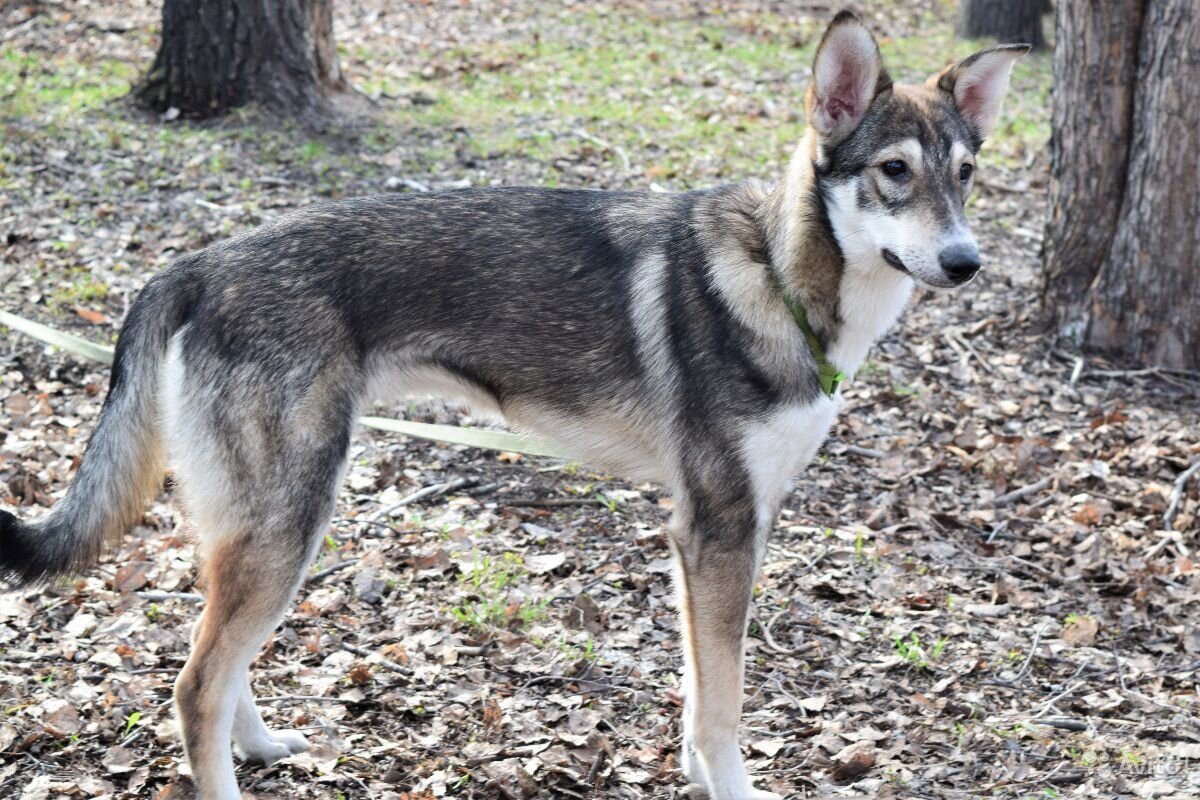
(848, 306)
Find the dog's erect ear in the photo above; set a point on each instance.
(847, 74)
(978, 84)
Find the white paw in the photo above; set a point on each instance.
(277, 745)
(689, 763)
(695, 791)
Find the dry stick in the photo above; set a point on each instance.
(1117, 663)
(593, 778)
(1177, 495)
(300, 698)
(768, 638)
(437, 488)
(158, 597)
(383, 662)
(551, 502)
(866, 452)
(988, 368)
(1076, 370)
(1016, 494)
(509, 752)
(317, 577)
(1065, 724)
(1029, 659)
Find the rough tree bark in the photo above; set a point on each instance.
(1122, 246)
(219, 54)
(1004, 20)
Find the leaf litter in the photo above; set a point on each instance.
(969, 594)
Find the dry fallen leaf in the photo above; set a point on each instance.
(1080, 630)
(88, 315)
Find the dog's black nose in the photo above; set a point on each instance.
(959, 262)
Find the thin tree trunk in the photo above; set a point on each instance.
(1122, 252)
(220, 54)
(1004, 20)
(1095, 66)
(1146, 302)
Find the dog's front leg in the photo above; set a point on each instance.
(717, 568)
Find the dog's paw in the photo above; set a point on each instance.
(279, 744)
(694, 791)
(759, 794)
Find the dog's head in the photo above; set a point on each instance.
(895, 164)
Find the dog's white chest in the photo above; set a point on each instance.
(774, 448)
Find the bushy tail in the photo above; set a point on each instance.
(124, 461)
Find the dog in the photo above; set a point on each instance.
(698, 339)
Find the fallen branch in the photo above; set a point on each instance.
(300, 698)
(1009, 498)
(383, 662)
(317, 577)
(768, 638)
(1065, 724)
(1177, 494)
(865, 452)
(420, 494)
(551, 502)
(158, 597)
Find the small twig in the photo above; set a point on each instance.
(317, 577)
(300, 698)
(158, 597)
(593, 777)
(434, 489)
(1117, 663)
(768, 638)
(509, 752)
(866, 452)
(1065, 724)
(988, 368)
(1009, 498)
(605, 145)
(383, 662)
(1177, 495)
(371, 523)
(552, 502)
(1037, 639)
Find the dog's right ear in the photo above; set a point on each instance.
(847, 75)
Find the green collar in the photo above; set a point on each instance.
(831, 377)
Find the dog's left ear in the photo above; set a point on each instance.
(978, 84)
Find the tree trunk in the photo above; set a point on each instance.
(219, 54)
(1095, 66)
(1122, 247)
(1004, 20)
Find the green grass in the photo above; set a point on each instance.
(34, 85)
(684, 102)
(488, 604)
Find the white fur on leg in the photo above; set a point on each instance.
(720, 758)
(255, 741)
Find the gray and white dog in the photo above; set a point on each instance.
(695, 339)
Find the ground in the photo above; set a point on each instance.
(969, 594)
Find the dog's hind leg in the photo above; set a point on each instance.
(718, 544)
(258, 474)
(250, 584)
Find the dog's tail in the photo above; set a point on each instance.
(125, 459)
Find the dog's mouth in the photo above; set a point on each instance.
(894, 261)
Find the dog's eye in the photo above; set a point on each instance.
(965, 172)
(894, 169)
